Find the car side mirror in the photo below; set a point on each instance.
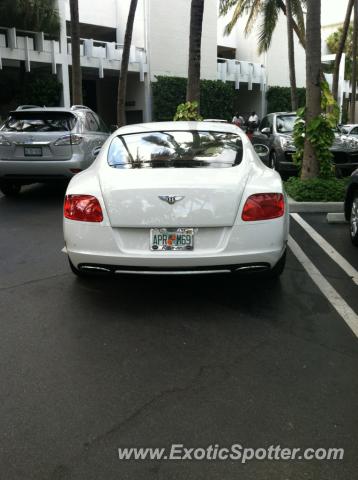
(266, 131)
(261, 150)
(113, 128)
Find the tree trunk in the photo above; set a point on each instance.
(300, 35)
(354, 63)
(122, 84)
(76, 61)
(196, 23)
(310, 164)
(291, 56)
(341, 45)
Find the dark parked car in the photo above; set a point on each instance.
(351, 206)
(275, 130)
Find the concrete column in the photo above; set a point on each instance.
(341, 84)
(62, 70)
(148, 103)
(63, 77)
(147, 113)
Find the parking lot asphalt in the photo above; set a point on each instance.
(87, 367)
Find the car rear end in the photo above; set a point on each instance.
(40, 145)
(120, 217)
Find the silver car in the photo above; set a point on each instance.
(45, 144)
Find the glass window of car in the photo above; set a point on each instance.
(264, 123)
(102, 126)
(25, 121)
(90, 123)
(176, 149)
(354, 131)
(285, 123)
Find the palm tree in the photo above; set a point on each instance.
(196, 23)
(76, 59)
(38, 15)
(342, 42)
(122, 84)
(291, 55)
(310, 163)
(354, 62)
(270, 10)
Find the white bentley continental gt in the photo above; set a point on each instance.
(176, 198)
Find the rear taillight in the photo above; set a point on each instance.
(83, 208)
(69, 140)
(4, 141)
(263, 206)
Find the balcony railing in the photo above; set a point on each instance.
(40, 47)
(241, 72)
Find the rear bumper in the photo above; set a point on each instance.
(251, 244)
(28, 171)
(215, 269)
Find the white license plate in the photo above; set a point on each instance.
(33, 151)
(171, 238)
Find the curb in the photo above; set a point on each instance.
(315, 207)
(336, 218)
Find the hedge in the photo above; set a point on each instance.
(217, 99)
(36, 88)
(317, 189)
(279, 99)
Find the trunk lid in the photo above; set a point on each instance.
(210, 196)
(35, 146)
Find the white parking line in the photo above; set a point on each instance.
(344, 310)
(327, 247)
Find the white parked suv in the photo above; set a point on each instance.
(41, 144)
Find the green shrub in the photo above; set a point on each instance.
(187, 111)
(42, 90)
(279, 99)
(217, 99)
(316, 189)
(319, 132)
(35, 15)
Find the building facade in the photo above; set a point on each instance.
(159, 47)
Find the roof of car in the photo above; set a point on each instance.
(52, 109)
(181, 126)
(284, 113)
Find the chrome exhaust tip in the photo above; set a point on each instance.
(93, 268)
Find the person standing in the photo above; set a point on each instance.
(253, 120)
(238, 120)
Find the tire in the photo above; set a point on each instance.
(278, 269)
(353, 220)
(10, 189)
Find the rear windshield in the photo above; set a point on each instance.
(176, 149)
(39, 122)
(285, 123)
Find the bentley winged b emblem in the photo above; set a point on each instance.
(171, 199)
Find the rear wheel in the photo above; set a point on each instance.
(10, 189)
(354, 220)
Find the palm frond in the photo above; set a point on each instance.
(297, 13)
(239, 10)
(256, 7)
(270, 13)
(225, 6)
